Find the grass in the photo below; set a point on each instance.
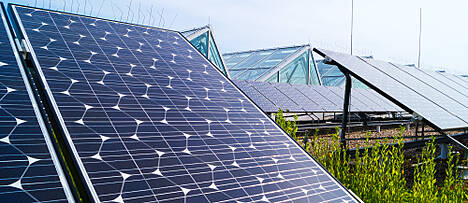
(377, 175)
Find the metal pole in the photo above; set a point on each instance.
(347, 97)
(420, 30)
(352, 24)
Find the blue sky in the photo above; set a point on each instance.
(388, 30)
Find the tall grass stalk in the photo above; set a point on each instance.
(377, 173)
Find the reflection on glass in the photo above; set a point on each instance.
(314, 78)
(273, 78)
(214, 55)
(296, 71)
(201, 43)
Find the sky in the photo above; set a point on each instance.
(386, 29)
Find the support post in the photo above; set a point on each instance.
(416, 129)
(347, 98)
(422, 129)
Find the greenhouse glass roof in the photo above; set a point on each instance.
(292, 64)
(203, 40)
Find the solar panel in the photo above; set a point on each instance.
(278, 98)
(423, 87)
(401, 88)
(262, 102)
(150, 119)
(28, 171)
(307, 104)
(364, 98)
(377, 99)
(441, 87)
(356, 104)
(310, 92)
(455, 79)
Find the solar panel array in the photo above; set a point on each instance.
(27, 166)
(312, 98)
(149, 119)
(440, 98)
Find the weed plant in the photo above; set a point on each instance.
(377, 173)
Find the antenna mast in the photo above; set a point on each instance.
(352, 22)
(420, 30)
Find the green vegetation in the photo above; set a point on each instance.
(377, 175)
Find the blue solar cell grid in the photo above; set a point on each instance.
(310, 92)
(27, 170)
(152, 120)
(278, 98)
(303, 101)
(265, 104)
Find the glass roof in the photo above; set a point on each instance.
(332, 76)
(253, 64)
(201, 43)
(206, 45)
(214, 55)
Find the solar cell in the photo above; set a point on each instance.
(356, 104)
(291, 92)
(262, 102)
(369, 103)
(29, 169)
(150, 119)
(457, 87)
(310, 91)
(455, 79)
(423, 88)
(278, 98)
(441, 87)
(405, 94)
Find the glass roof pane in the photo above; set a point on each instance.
(327, 69)
(277, 57)
(252, 73)
(233, 59)
(358, 84)
(296, 71)
(273, 78)
(189, 32)
(332, 81)
(314, 78)
(201, 43)
(214, 55)
(253, 59)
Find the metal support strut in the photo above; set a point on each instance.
(346, 103)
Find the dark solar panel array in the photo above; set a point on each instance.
(264, 104)
(294, 94)
(277, 97)
(27, 170)
(434, 101)
(312, 98)
(151, 120)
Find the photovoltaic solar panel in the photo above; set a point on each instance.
(262, 102)
(307, 104)
(422, 86)
(456, 86)
(441, 87)
(376, 99)
(149, 119)
(410, 92)
(278, 98)
(356, 105)
(311, 92)
(360, 94)
(455, 79)
(27, 160)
